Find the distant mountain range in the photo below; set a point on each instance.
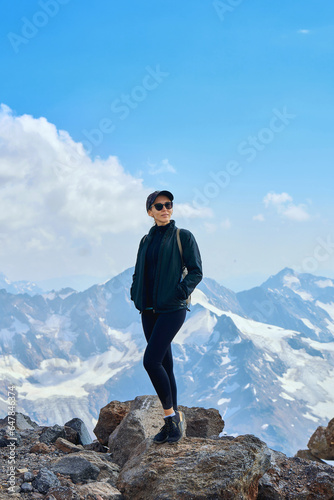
(19, 286)
(264, 357)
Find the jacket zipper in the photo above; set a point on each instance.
(158, 274)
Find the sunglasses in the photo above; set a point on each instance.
(160, 206)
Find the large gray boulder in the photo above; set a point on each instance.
(145, 418)
(195, 468)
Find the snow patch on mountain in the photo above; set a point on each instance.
(308, 323)
(304, 295)
(197, 329)
(291, 281)
(329, 308)
(199, 297)
(59, 377)
(324, 283)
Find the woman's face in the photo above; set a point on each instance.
(163, 216)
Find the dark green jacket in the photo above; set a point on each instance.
(169, 292)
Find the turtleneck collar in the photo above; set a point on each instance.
(162, 229)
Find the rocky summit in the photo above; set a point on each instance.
(60, 462)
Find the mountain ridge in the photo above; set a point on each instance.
(71, 350)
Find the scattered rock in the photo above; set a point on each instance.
(202, 422)
(205, 467)
(78, 468)
(62, 493)
(40, 448)
(100, 490)
(26, 487)
(28, 477)
(295, 478)
(321, 443)
(110, 417)
(78, 425)
(195, 468)
(51, 434)
(44, 480)
(66, 446)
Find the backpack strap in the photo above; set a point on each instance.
(179, 245)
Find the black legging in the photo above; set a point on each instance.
(160, 329)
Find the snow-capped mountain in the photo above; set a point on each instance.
(301, 302)
(263, 357)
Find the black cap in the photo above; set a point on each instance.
(151, 198)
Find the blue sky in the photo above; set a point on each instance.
(226, 103)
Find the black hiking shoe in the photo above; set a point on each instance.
(175, 427)
(162, 435)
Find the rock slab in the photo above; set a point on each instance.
(144, 420)
(196, 469)
(78, 468)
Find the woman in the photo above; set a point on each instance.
(160, 294)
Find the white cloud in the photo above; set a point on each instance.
(57, 200)
(259, 217)
(283, 204)
(304, 32)
(296, 212)
(276, 199)
(160, 168)
(186, 211)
